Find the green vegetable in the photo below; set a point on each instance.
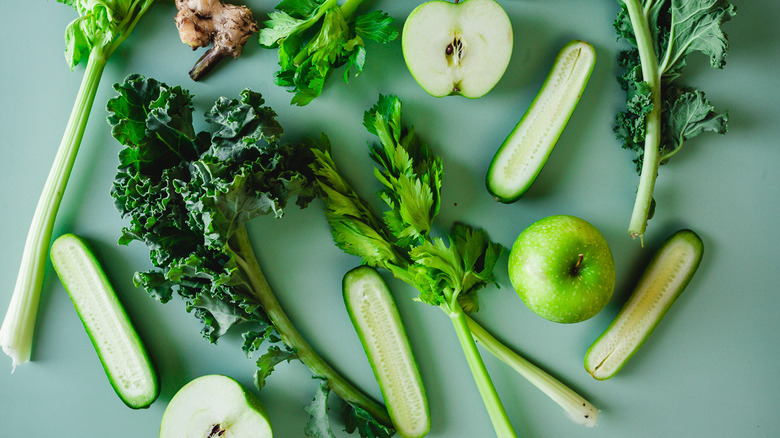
(447, 275)
(315, 37)
(99, 30)
(661, 115)
(521, 157)
(662, 282)
(189, 197)
(378, 324)
(116, 342)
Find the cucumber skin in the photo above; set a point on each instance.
(692, 239)
(143, 404)
(369, 271)
(519, 194)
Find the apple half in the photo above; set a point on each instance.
(457, 48)
(215, 406)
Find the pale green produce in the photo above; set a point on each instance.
(457, 48)
(662, 282)
(120, 349)
(215, 406)
(374, 314)
(523, 154)
(562, 268)
(93, 37)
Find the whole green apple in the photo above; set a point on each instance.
(457, 47)
(562, 268)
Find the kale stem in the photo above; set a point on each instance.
(290, 335)
(19, 324)
(651, 160)
(577, 408)
(487, 390)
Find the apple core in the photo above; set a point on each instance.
(457, 48)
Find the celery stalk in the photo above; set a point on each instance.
(97, 33)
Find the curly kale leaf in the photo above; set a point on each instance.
(189, 197)
(358, 419)
(361, 421)
(677, 29)
(187, 193)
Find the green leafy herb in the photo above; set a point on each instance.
(315, 37)
(660, 114)
(93, 37)
(447, 272)
(189, 196)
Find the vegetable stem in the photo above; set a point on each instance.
(577, 408)
(349, 7)
(651, 161)
(347, 10)
(290, 335)
(18, 326)
(485, 385)
(207, 62)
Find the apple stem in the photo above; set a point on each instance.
(576, 268)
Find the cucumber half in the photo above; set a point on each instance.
(521, 157)
(378, 324)
(118, 346)
(664, 279)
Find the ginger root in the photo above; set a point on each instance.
(227, 27)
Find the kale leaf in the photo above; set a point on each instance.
(660, 113)
(189, 197)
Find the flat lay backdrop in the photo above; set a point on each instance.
(710, 369)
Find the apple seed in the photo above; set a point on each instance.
(216, 430)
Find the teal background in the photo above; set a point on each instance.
(710, 368)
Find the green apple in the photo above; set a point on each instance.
(457, 48)
(562, 268)
(215, 406)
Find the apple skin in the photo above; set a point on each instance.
(215, 403)
(457, 48)
(562, 268)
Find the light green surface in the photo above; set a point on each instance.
(710, 369)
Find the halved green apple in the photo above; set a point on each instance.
(215, 406)
(457, 48)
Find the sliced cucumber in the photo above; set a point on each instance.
(121, 351)
(664, 279)
(378, 324)
(522, 155)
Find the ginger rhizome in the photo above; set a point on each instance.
(225, 26)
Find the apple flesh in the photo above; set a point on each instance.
(562, 268)
(215, 406)
(457, 48)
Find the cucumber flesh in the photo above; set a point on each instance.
(521, 157)
(378, 324)
(118, 346)
(664, 279)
